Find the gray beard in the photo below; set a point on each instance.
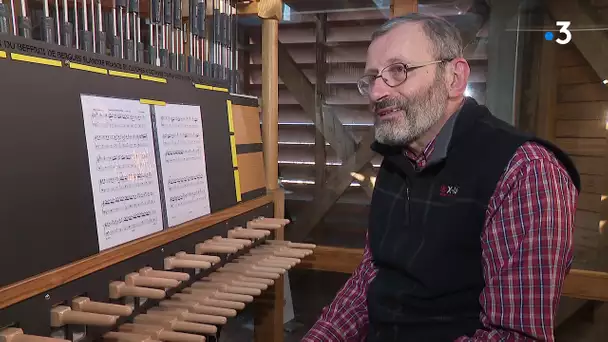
(418, 114)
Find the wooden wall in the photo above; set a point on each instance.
(580, 129)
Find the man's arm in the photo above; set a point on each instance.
(345, 319)
(527, 249)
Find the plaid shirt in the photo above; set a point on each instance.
(526, 253)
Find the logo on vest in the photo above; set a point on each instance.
(448, 190)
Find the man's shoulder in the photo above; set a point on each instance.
(532, 156)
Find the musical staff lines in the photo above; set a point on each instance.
(124, 178)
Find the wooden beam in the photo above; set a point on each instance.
(403, 7)
(337, 182)
(593, 45)
(320, 90)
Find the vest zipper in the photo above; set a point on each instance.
(407, 197)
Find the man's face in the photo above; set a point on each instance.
(405, 112)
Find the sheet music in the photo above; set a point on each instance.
(122, 163)
(182, 159)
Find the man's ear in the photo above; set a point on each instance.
(460, 72)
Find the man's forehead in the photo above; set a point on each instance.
(405, 43)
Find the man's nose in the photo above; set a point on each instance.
(378, 89)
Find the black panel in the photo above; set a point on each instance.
(32, 315)
(244, 100)
(249, 195)
(249, 148)
(47, 215)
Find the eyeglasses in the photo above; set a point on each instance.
(393, 75)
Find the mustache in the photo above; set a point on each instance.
(387, 103)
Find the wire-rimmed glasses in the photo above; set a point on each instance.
(393, 75)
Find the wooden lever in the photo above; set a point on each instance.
(243, 233)
(63, 315)
(214, 293)
(87, 305)
(173, 262)
(198, 308)
(210, 301)
(119, 336)
(161, 333)
(221, 242)
(173, 323)
(149, 272)
(255, 268)
(264, 262)
(282, 221)
(250, 273)
(279, 252)
(232, 281)
(209, 258)
(273, 258)
(207, 247)
(119, 289)
(136, 279)
(17, 335)
(210, 284)
(246, 242)
(261, 224)
(295, 251)
(185, 315)
(292, 244)
(240, 277)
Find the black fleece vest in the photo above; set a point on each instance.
(425, 227)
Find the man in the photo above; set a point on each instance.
(471, 222)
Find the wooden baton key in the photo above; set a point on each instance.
(174, 324)
(215, 293)
(282, 221)
(274, 258)
(161, 333)
(210, 247)
(120, 336)
(64, 315)
(136, 279)
(199, 257)
(197, 307)
(185, 315)
(149, 272)
(292, 244)
(210, 300)
(173, 262)
(271, 272)
(240, 277)
(17, 335)
(265, 262)
(210, 284)
(246, 242)
(264, 224)
(119, 289)
(222, 242)
(245, 233)
(85, 304)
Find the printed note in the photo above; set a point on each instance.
(182, 158)
(122, 163)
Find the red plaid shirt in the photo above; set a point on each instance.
(526, 253)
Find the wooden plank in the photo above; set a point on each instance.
(251, 171)
(30, 287)
(587, 220)
(597, 110)
(582, 92)
(588, 165)
(590, 147)
(569, 56)
(577, 74)
(333, 259)
(585, 284)
(547, 90)
(246, 121)
(593, 44)
(403, 7)
(593, 184)
(337, 182)
(580, 129)
(589, 202)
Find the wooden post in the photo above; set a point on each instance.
(268, 308)
(403, 7)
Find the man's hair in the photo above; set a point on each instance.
(445, 37)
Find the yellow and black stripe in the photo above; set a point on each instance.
(246, 147)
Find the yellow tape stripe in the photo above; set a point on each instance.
(123, 74)
(202, 86)
(37, 60)
(220, 89)
(237, 185)
(230, 120)
(78, 66)
(153, 79)
(233, 149)
(2, 54)
(152, 102)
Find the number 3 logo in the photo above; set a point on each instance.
(564, 29)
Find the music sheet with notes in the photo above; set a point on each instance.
(182, 158)
(123, 170)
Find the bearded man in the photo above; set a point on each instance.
(471, 222)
